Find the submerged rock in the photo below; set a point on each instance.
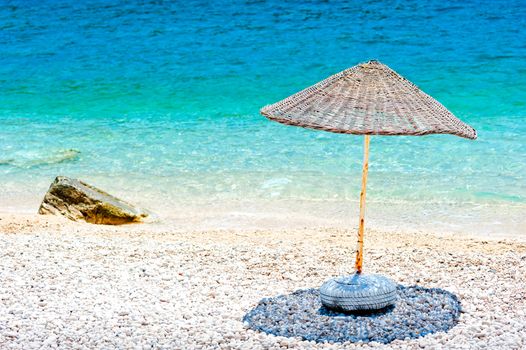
(77, 201)
(33, 158)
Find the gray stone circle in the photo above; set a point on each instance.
(417, 311)
(358, 292)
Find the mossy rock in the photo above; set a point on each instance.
(78, 201)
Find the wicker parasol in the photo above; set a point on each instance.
(367, 99)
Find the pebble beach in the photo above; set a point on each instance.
(161, 286)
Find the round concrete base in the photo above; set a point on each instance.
(358, 293)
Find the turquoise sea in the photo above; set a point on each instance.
(157, 101)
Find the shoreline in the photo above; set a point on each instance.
(486, 221)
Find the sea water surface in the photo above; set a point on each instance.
(157, 101)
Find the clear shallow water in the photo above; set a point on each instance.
(159, 101)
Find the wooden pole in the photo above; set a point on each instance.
(359, 249)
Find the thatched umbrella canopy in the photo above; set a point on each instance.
(367, 99)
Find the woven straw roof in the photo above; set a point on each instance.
(369, 98)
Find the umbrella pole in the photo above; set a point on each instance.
(359, 249)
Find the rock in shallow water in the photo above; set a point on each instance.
(77, 200)
(418, 311)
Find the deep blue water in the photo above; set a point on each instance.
(161, 98)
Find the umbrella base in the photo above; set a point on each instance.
(358, 292)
